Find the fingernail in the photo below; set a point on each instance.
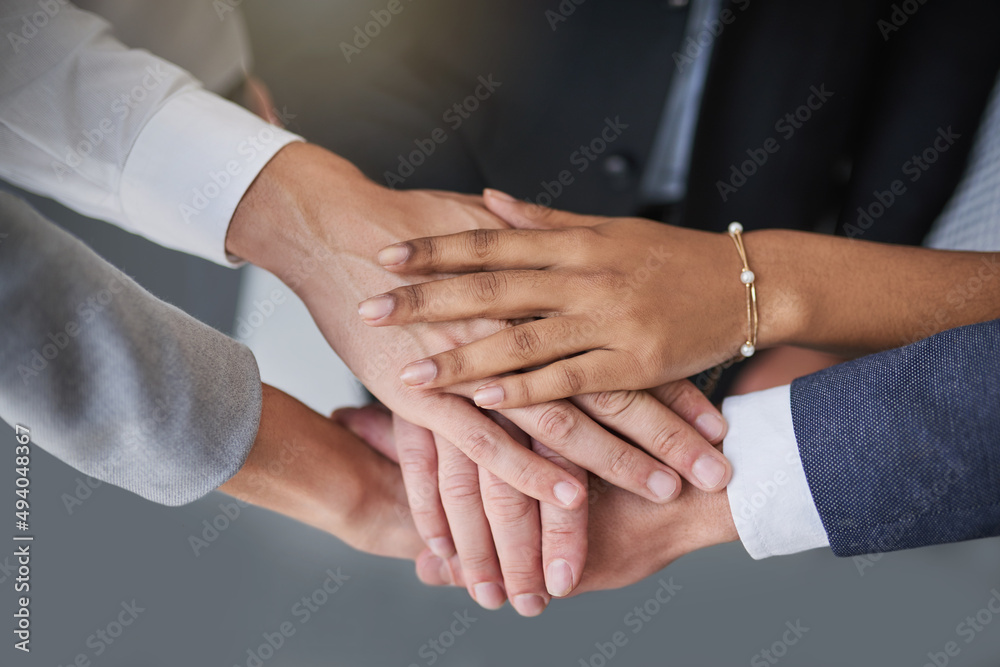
(488, 396)
(442, 547)
(710, 425)
(394, 254)
(496, 194)
(489, 595)
(419, 372)
(661, 484)
(559, 578)
(566, 493)
(709, 471)
(376, 307)
(529, 604)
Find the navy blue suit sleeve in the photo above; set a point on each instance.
(901, 449)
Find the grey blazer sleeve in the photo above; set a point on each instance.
(111, 380)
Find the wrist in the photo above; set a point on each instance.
(781, 282)
(299, 204)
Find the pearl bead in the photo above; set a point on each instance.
(746, 277)
(735, 227)
(747, 350)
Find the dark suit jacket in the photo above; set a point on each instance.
(902, 448)
(566, 68)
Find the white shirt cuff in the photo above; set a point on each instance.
(769, 496)
(189, 168)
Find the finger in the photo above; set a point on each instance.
(584, 374)
(522, 346)
(475, 250)
(656, 428)
(517, 536)
(493, 295)
(458, 479)
(525, 215)
(565, 429)
(433, 571)
(515, 524)
(373, 425)
(418, 461)
(564, 534)
(693, 407)
(487, 444)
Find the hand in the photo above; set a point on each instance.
(312, 469)
(315, 222)
(632, 303)
(631, 538)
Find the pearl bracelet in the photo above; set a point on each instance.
(747, 278)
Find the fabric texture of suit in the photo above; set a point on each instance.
(111, 380)
(901, 449)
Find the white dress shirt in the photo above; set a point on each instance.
(125, 136)
(769, 496)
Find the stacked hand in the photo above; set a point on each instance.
(472, 482)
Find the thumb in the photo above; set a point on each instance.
(526, 215)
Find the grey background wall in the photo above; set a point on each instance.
(110, 548)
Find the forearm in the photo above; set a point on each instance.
(853, 297)
(311, 469)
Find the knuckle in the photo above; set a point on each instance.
(556, 423)
(524, 342)
(481, 447)
(613, 403)
(453, 362)
(622, 462)
(489, 287)
(572, 378)
(426, 250)
(478, 561)
(459, 487)
(483, 243)
(509, 509)
(416, 466)
(669, 442)
(414, 298)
